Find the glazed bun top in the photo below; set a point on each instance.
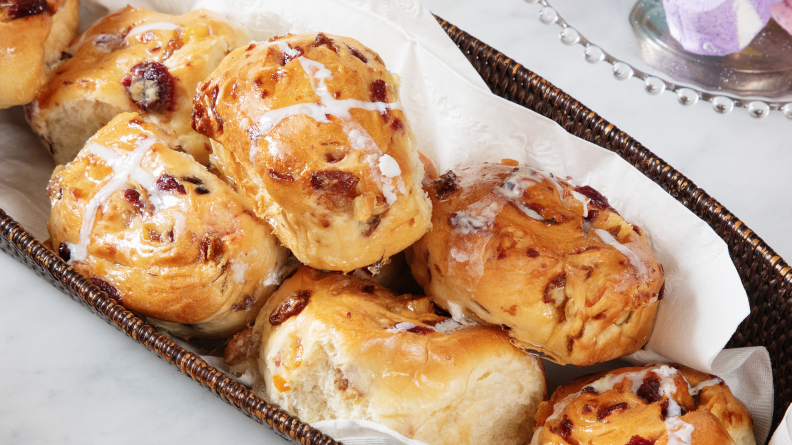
(512, 245)
(656, 404)
(159, 233)
(310, 130)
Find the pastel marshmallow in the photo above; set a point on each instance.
(716, 27)
(782, 13)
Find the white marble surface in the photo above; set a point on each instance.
(95, 385)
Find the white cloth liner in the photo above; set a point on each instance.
(458, 121)
(783, 435)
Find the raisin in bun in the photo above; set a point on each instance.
(334, 346)
(133, 60)
(309, 129)
(33, 34)
(661, 405)
(158, 232)
(556, 264)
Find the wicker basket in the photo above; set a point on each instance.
(764, 274)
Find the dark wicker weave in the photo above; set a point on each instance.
(764, 274)
(23, 246)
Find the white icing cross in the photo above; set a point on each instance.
(679, 431)
(125, 168)
(383, 166)
(711, 382)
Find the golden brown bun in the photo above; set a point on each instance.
(630, 404)
(33, 33)
(334, 346)
(173, 243)
(506, 248)
(105, 74)
(339, 202)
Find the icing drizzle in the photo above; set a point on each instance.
(711, 382)
(607, 238)
(140, 29)
(401, 327)
(476, 221)
(382, 165)
(156, 26)
(125, 168)
(679, 432)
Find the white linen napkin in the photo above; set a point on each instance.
(458, 121)
(783, 435)
(362, 432)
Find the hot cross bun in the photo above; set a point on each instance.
(647, 405)
(309, 129)
(334, 346)
(159, 233)
(555, 264)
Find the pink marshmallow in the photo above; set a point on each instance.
(782, 13)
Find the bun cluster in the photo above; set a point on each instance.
(266, 193)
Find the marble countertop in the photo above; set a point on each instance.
(92, 384)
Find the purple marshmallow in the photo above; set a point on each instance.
(716, 27)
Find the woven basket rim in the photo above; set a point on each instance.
(49, 265)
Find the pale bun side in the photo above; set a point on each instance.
(31, 45)
(348, 354)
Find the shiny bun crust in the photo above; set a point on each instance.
(133, 60)
(645, 405)
(169, 240)
(33, 34)
(333, 346)
(510, 246)
(309, 130)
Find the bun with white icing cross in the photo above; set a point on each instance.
(555, 264)
(648, 405)
(33, 34)
(334, 346)
(132, 60)
(157, 232)
(309, 129)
